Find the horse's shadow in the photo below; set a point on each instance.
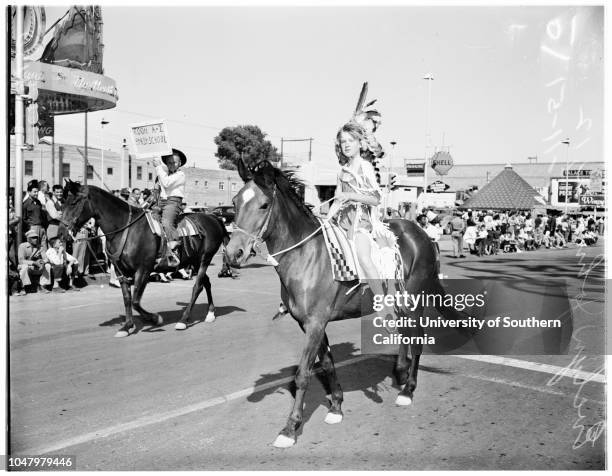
(172, 317)
(352, 377)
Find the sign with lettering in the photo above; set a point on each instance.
(150, 139)
(437, 187)
(442, 162)
(596, 200)
(415, 169)
(596, 184)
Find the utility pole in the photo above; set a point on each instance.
(123, 154)
(566, 141)
(85, 156)
(19, 131)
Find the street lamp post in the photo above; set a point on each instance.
(102, 124)
(389, 174)
(429, 78)
(566, 142)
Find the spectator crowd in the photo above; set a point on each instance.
(489, 232)
(43, 261)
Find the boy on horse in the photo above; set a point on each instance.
(172, 191)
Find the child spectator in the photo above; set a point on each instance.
(63, 265)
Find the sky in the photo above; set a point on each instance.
(509, 82)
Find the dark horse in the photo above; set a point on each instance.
(269, 209)
(132, 247)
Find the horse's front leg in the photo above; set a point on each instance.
(128, 326)
(140, 283)
(314, 336)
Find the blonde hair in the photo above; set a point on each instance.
(357, 132)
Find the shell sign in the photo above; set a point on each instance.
(442, 162)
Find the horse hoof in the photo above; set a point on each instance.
(333, 418)
(158, 320)
(210, 317)
(180, 326)
(283, 441)
(403, 400)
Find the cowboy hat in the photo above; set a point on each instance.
(177, 152)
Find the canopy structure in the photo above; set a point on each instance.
(507, 191)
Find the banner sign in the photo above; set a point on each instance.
(150, 139)
(596, 184)
(416, 169)
(597, 200)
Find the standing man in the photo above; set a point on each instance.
(172, 183)
(34, 216)
(134, 198)
(54, 211)
(458, 228)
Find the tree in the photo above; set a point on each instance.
(246, 141)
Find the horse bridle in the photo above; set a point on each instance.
(259, 237)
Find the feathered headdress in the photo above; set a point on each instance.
(369, 119)
(365, 116)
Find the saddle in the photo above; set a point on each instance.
(185, 228)
(344, 261)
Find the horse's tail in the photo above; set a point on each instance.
(449, 313)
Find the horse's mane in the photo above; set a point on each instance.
(119, 202)
(289, 184)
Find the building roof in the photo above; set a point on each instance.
(508, 190)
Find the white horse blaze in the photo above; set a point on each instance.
(247, 195)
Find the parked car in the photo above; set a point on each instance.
(227, 213)
(200, 209)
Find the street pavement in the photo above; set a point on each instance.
(215, 395)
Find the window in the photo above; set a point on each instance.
(109, 171)
(28, 167)
(65, 170)
(90, 172)
(221, 185)
(139, 172)
(234, 186)
(150, 175)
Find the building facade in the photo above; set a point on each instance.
(203, 188)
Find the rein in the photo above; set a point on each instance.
(114, 231)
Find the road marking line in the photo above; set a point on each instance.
(160, 417)
(83, 305)
(517, 384)
(537, 367)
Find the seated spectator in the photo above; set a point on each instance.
(538, 236)
(525, 239)
(470, 235)
(33, 265)
(546, 239)
(492, 245)
(63, 265)
(508, 243)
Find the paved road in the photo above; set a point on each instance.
(215, 396)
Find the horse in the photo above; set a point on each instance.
(269, 209)
(133, 247)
